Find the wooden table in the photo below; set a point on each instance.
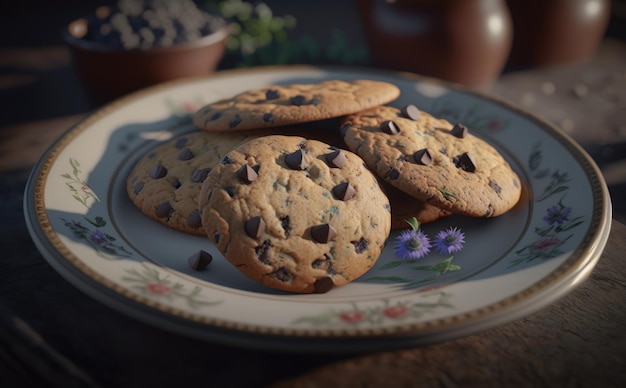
(52, 334)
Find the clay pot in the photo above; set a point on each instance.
(551, 32)
(464, 41)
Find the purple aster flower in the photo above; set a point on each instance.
(557, 214)
(449, 241)
(412, 245)
(97, 236)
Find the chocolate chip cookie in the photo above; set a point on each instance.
(164, 184)
(432, 160)
(404, 206)
(278, 105)
(295, 214)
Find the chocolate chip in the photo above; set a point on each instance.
(283, 274)
(459, 130)
(315, 101)
(323, 285)
(321, 263)
(465, 162)
(226, 160)
(393, 174)
(216, 116)
(298, 100)
(262, 251)
(199, 175)
(423, 157)
(286, 224)
(360, 245)
(185, 154)
(235, 122)
(230, 191)
(344, 191)
(164, 210)
(268, 117)
(200, 260)
(390, 127)
(337, 159)
(194, 220)
(271, 94)
(180, 143)
(157, 171)
(296, 161)
(323, 233)
(176, 184)
(138, 187)
(495, 186)
(410, 111)
(255, 227)
(247, 174)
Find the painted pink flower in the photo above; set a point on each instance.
(189, 107)
(544, 244)
(158, 288)
(354, 316)
(395, 312)
(494, 125)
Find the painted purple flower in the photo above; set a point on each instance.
(449, 241)
(97, 237)
(557, 214)
(412, 245)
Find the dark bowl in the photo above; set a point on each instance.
(108, 73)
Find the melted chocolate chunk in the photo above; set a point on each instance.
(176, 184)
(199, 260)
(496, 187)
(235, 122)
(298, 100)
(164, 210)
(393, 174)
(296, 161)
(195, 219)
(321, 263)
(283, 275)
(200, 175)
(255, 227)
(247, 174)
(423, 157)
(337, 159)
(180, 143)
(459, 130)
(157, 171)
(323, 285)
(138, 187)
(360, 245)
(323, 233)
(390, 127)
(268, 117)
(284, 222)
(262, 250)
(344, 191)
(271, 94)
(410, 111)
(185, 154)
(465, 162)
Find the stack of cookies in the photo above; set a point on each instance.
(303, 207)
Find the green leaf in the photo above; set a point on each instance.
(392, 264)
(415, 224)
(395, 279)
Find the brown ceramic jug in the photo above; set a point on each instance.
(550, 32)
(464, 41)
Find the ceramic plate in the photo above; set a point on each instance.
(81, 220)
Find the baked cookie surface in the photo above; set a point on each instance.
(433, 161)
(164, 184)
(295, 214)
(279, 105)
